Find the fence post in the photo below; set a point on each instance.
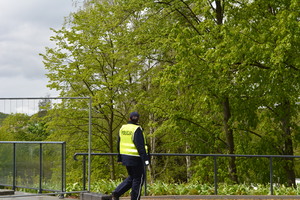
(271, 175)
(90, 145)
(41, 169)
(63, 169)
(84, 172)
(14, 167)
(216, 175)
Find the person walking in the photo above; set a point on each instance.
(132, 153)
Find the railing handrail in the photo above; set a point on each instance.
(37, 98)
(32, 142)
(193, 154)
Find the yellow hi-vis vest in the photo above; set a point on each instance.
(126, 134)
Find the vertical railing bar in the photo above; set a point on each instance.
(90, 144)
(216, 175)
(41, 168)
(271, 175)
(84, 172)
(63, 169)
(14, 167)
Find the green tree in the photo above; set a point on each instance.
(270, 50)
(90, 59)
(230, 68)
(2, 117)
(194, 81)
(14, 127)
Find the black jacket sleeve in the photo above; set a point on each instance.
(139, 142)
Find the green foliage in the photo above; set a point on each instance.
(193, 188)
(206, 77)
(2, 117)
(14, 127)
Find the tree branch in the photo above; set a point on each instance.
(182, 14)
(259, 65)
(191, 11)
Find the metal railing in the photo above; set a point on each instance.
(215, 156)
(33, 165)
(9, 106)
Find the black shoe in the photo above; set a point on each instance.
(115, 196)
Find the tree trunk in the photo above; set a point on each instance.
(219, 12)
(226, 107)
(229, 139)
(288, 143)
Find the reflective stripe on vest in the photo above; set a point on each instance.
(126, 134)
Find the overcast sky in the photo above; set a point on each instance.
(24, 33)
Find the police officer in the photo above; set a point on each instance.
(133, 154)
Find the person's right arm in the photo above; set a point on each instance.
(140, 145)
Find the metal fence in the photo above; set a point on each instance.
(214, 156)
(39, 166)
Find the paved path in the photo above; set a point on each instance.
(219, 197)
(27, 196)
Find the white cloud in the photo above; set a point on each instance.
(24, 33)
(20, 86)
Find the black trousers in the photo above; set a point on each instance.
(134, 181)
